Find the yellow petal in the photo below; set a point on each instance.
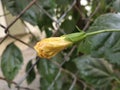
(49, 47)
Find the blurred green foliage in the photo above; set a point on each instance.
(94, 61)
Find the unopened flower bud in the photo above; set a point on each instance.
(49, 47)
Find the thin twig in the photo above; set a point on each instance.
(5, 36)
(27, 73)
(19, 40)
(64, 70)
(45, 12)
(4, 14)
(21, 13)
(73, 75)
(73, 84)
(25, 88)
(57, 28)
(2, 26)
(92, 14)
(71, 6)
(71, 51)
(80, 12)
(29, 30)
(13, 38)
(67, 56)
(12, 82)
(58, 74)
(3, 39)
(56, 78)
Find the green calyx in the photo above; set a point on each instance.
(75, 37)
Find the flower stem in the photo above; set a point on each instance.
(102, 31)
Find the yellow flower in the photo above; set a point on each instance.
(49, 47)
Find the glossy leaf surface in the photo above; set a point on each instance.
(48, 72)
(31, 75)
(95, 71)
(104, 45)
(11, 61)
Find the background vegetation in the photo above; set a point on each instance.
(92, 64)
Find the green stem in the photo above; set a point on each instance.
(102, 31)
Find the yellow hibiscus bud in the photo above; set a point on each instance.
(49, 47)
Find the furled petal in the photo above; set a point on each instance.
(49, 47)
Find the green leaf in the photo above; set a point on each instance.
(67, 82)
(47, 69)
(68, 25)
(33, 15)
(48, 32)
(47, 4)
(45, 85)
(105, 7)
(31, 76)
(48, 72)
(116, 5)
(95, 71)
(16, 6)
(11, 61)
(104, 45)
(58, 58)
(70, 66)
(43, 22)
(82, 46)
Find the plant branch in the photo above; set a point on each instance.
(5, 36)
(29, 30)
(13, 38)
(12, 82)
(3, 39)
(56, 78)
(4, 14)
(73, 83)
(45, 12)
(19, 40)
(27, 73)
(57, 28)
(93, 13)
(22, 12)
(2, 26)
(71, 6)
(64, 70)
(25, 88)
(73, 75)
